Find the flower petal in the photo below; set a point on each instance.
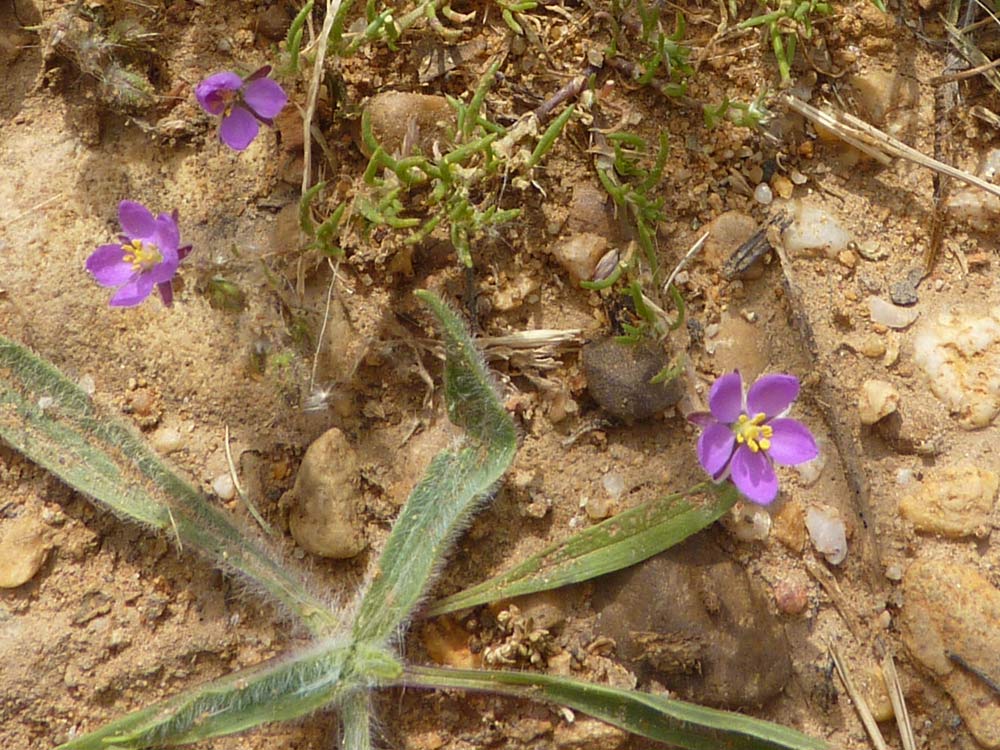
(754, 476)
(792, 443)
(136, 220)
(108, 266)
(265, 97)
(702, 419)
(772, 394)
(166, 290)
(133, 293)
(211, 93)
(715, 448)
(238, 129)
(725, 399)
(166, 235)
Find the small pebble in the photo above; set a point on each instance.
(762, 194)
(327, 502)
(792, 596)
(597, 508)
(847, 259)
(614, 485)
(782, 186)
(815, 229)
(827, 532)
(588, 211)
(878, 399)
(748, 523)
(905, 292)
(872, 346)
(726, 233)
(891, 315)
(223, 487)
(167, 440)
(789, 525)
(871, 251)
(273, 22)
(22, 551)
(580, 254)
(397, 115)
(894, 572)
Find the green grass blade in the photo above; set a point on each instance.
(52, 421)
(456, 482)
(621, 541)
(681, 724)
(273, 692)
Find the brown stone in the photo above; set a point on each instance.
(949, 624)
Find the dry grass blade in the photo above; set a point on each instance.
(971, 53)
(829, 584)
(879, 145)
(692, 251)
(859, 701)
(332, 6)
(531, 349)
(898, 702)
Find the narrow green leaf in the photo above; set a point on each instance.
(674, 722)
(52, 421)
(356, 719)
(621, 541)
(455, 483)
(275, 691)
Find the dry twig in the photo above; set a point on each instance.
(879, 145)
(898, 701)
(840, 429)
(871, 726)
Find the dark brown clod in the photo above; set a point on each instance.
(273, 22)
(618, 378)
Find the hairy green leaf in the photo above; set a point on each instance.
(456, 482)
(52, 421)
(286, 689)
(677, 723)
(621, 541)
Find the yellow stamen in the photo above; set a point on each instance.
(753, 432)
(142, 256)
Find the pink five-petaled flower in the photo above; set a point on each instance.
(147, 255)
(242, 102)
(744, 436)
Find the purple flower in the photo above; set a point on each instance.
(743, 436)
(242, 102)
(146, 255)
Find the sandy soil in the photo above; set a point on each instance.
(117, 618)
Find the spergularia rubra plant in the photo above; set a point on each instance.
(244, 103)
(146, 255)
(745, 434)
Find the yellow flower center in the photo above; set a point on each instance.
(753, 432)
(142, 256)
